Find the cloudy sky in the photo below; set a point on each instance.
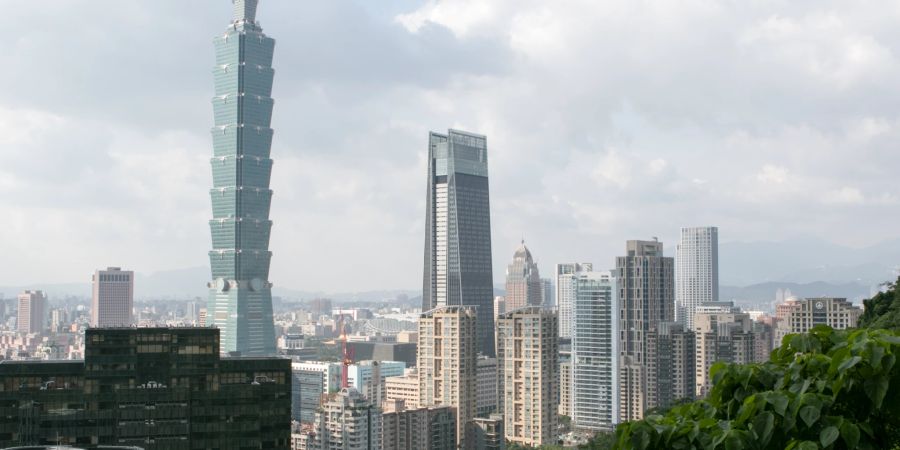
(606, 120)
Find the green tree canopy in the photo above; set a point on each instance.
(823, 390)
(883, 310)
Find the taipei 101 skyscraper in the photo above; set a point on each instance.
(240, 295)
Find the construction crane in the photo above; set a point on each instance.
(346, 352)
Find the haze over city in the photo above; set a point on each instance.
(605, 121)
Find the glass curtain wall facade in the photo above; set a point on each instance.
(240, 299)
(594, 386)
(458, 269)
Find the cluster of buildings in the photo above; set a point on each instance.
(470, 371)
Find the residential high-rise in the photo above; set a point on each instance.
(565, 388)
(311, 382)
(523, 281)
(646, 298)
(724, 335)
(447, 362)
(405, 388)
(368, 377)
(431, 428)
(240, 295)
(594, 396)
(112, 304)
(670, 365)
(153, 388)
(499, 306)
(32, 312)
(457, 268)
(527, 356)
(565, 293)
(485, 433)
(348, 421)
(696, 272)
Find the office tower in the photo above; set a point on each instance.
(404, 388)
(368, 377)
(594, 387)
(523, 282)
(240, 295)
(801, 315)
(320, 307)
(418, 428)
(311, 382)
(192, 312)
(527, 355)
(485, 433)
(722, 335)
(457, 270)
(565, 293)
(646, 298)
(348, 421)
(150, 388)
(696, 271)
(549, 294)
(112, 304)
(447, 362)
(32, 310)
(58, 319)
(670, 365)
(201, 317)
(384, 351)
(486, 391)
(499, 306)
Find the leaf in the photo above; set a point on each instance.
(808, 445)
(828, 436)
(780, 402)
(890, 339)
(850, 434)
(847, 364)
(763, 425)
(809, 414)
(876, 389)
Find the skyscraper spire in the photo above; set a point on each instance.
(240, 296)
(245, 10)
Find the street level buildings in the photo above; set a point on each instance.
(646, 298)
(458, 266)
(565, 294)
(112, 303)
(593, 393)
(527, 355)
(153, 388)
(240, 294)
(696, 272)
(447, 362)
(523, 281)
(30, 317)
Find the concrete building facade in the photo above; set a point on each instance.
(112, 303)
(696, 272)
(30, 317)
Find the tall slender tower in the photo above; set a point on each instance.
(458, 230)
(240, 297)
(696, 272)
(112, 302)
(566, 293)
(523, 281)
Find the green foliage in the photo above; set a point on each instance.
(883, 310)
(823, 390)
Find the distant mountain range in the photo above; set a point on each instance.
(750, 271)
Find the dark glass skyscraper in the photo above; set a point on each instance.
(458, 230)
(240, 297)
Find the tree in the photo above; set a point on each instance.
(824, 389)
(883, 310)
(601, 441)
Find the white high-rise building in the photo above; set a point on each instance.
(368, 377)
(594, 393)
(113, 299)
(565, 293)
(696, 272)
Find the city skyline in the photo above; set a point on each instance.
(555, 150)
